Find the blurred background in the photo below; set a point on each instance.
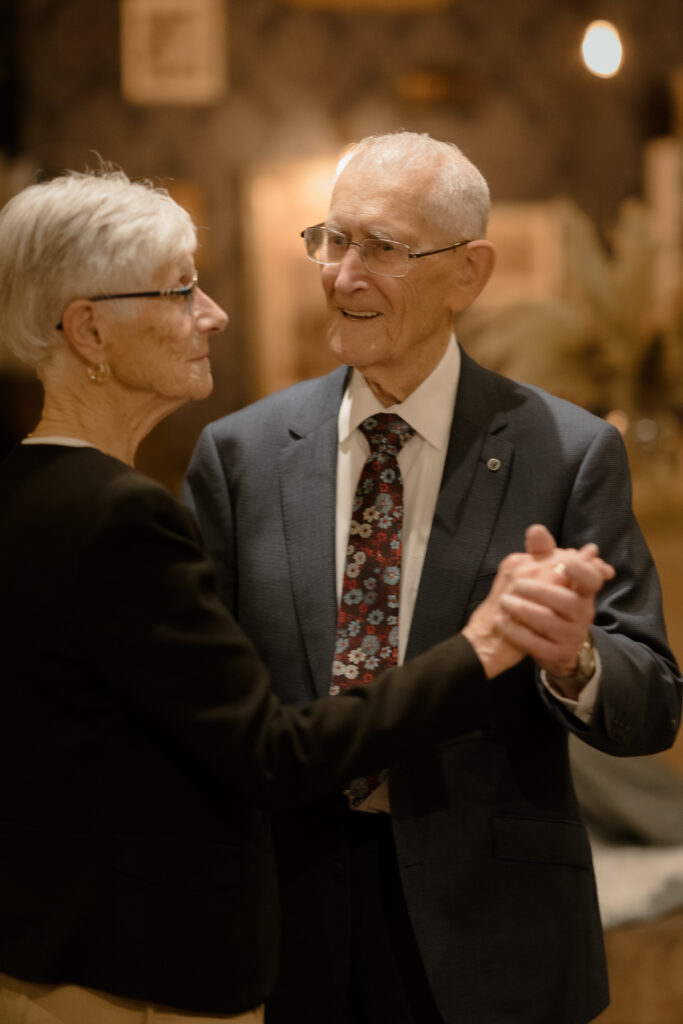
(242, 109)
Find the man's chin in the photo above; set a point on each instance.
(353, 351)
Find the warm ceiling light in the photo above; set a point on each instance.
(601, 49)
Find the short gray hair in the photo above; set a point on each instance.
(77, 235)
(458, 198)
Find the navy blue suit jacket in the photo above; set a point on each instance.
(494, 858)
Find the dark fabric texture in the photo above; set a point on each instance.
(492, 851)
(141, 745)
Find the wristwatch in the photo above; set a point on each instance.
(585, 665)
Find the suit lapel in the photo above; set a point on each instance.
(476, 470)
(308, 476)
(475, 474)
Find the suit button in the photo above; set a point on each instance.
(493, 465)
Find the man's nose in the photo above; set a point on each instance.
(351, 270)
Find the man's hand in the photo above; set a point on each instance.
(542, 604)
(557, 604)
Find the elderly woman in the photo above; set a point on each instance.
(140, 744)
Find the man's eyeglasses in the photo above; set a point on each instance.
(380, 255)
(186, 291)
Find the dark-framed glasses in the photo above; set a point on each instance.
(381, 256)
(186, 291)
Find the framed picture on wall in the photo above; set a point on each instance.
(173, 52)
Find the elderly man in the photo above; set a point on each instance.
(355, 520)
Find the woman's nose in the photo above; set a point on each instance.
(209, 316)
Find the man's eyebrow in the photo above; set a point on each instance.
(366, 231)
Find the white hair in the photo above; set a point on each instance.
(458, 196)
(78, 235)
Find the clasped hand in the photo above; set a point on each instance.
(541, 604)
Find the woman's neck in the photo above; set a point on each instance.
(113, 423)
(97, 435)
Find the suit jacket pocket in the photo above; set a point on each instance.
(541, 840)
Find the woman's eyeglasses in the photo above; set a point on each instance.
(186, 291)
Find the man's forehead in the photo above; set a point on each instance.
(377, 206)
(376, 182)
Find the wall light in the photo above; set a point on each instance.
(601, 48)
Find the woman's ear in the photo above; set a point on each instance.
(78, 323)
(475, 266)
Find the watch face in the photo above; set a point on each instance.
(586, 664)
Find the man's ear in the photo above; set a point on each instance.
(474, 268)
(81, 331)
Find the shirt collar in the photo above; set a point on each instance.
(57, 439)
(422, 409)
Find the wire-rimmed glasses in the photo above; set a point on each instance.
(381, 256)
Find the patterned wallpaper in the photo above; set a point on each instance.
(505, 81)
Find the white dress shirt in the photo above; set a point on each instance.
(429, 410)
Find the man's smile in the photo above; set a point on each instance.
(355, 314)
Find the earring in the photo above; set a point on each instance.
(97, 372)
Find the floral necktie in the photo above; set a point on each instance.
(367, 623)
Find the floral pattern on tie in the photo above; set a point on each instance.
(367, 622)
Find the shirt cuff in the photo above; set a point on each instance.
(583, 707)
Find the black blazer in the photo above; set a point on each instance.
(494, 858)
(141, 744)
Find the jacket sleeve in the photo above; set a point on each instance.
(159, 637)
(639, 702)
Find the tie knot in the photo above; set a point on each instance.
(386, 432)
